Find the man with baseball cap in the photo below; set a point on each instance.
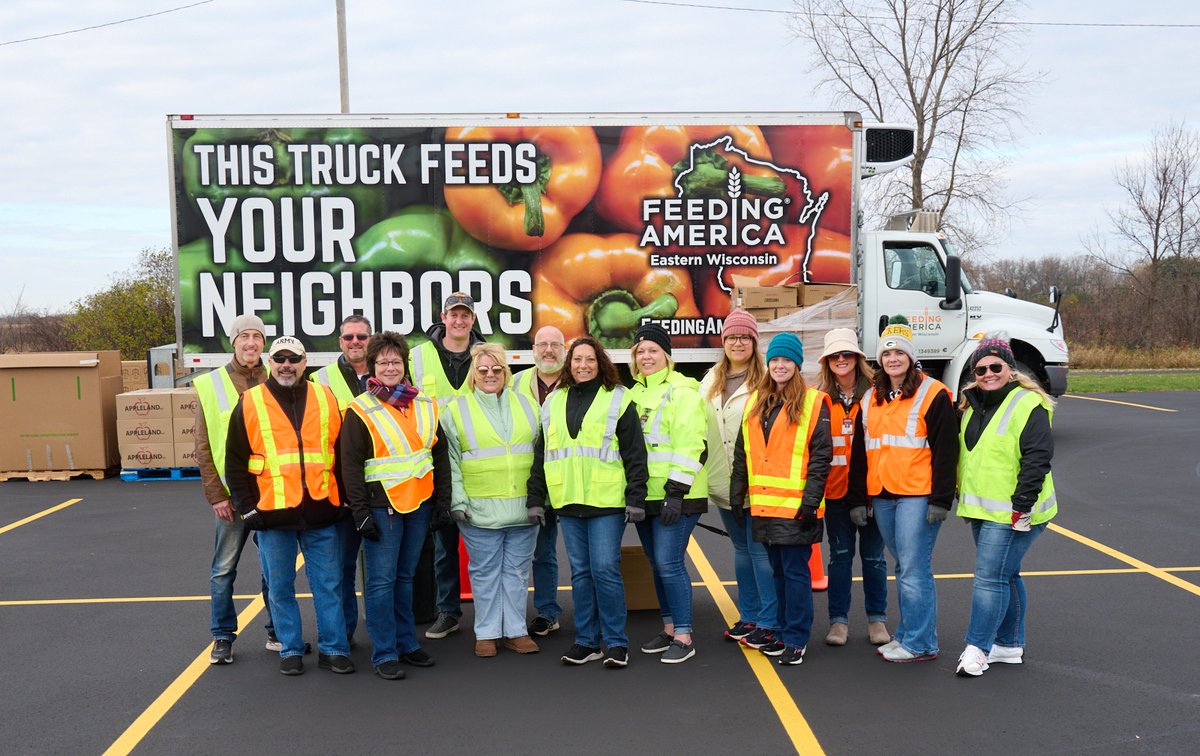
(280, 463)
(217, 392)
(439, 368)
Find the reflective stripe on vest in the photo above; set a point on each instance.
(331, 376)
(664, 460)
(898, 454)
(587, 469)
(402, 461)
(838, 483)
(987, 474)
(777, 467)
(493, 467)
(425, 366)
(288, 462)
(217, 397)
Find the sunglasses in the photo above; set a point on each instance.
(493, 369)
(355, 336)
(279, 359)
(842, 356)
(995, 367)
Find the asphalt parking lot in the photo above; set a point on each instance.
(104, 613)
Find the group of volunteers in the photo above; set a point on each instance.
(389, 447)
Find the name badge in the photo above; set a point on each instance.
(847, 426)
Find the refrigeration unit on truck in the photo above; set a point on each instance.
(594, 223)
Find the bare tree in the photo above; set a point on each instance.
(949, 68)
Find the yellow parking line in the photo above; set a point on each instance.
(39, 515)
(1157, 572)
(803, 739)
(1114, 401)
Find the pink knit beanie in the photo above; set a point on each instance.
(740, 323)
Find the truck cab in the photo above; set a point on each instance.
(916, 274)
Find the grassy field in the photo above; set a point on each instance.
(1082, 382)
(1084, 357)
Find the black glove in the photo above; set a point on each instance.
(858, 516)
(537, 515)
(807, 516)
(366, 527)
(935, 514)
(460, 516)
(440, 518)
(739, 515)
(672, 507)
(634, 514)
(252, 519)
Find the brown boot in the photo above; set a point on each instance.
(485, 648)
(878, 633)
(838, 633)
(522, 645)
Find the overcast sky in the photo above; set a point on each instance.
(83, 166)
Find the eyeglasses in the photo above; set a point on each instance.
(739, 339)
(355, 336)
(389, 363)
(294, 359)
(982, 370)
(549, 345)
(493, 369)
(842, 356)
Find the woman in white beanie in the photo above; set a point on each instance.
(846, 377)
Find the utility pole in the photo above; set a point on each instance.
(343, 65)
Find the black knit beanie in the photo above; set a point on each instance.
(653, 332)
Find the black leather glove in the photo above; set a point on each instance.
(252, 519)
(537, 515)
(634, 514)
(366, 527)
(672, 507)
(739, 515)
(858, 516)
(460, 516)
(807, 516)
(935, 514)
(440, 518)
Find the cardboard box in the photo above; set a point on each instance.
(142, 456)
(146, 404)
(759, 297)
(184, 430)
(134, 375)
(638, 579)
(184, 403)
(57, 410)
(811, 294)
(763, 314)
(781, 311)
(137, 431)
(185, 455)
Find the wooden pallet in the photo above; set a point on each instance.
(161, 473)
(51, 474)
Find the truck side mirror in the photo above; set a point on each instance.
(953, 300)
(1055, 295)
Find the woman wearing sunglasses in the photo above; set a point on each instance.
(906, 454)
(490, 434)
(1006, 493)
(846, 378)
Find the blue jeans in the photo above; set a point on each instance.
(445, 571)
(323, 566)
(842, 536)
(755, 577)
(229, 541)
(998, 599)
(545, 570)
(349, 541)
(665, 547)
(793, 591)
(910, 539)
(594, 552)
(499, 569)
(388, 594)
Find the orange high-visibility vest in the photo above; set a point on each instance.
(898, 455)
(402, 461)
(842, 432)
(777, 468)
(287, 461)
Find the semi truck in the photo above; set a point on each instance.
(593, 223)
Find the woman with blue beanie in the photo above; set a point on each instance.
(780, 465)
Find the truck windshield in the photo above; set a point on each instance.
(914, 267)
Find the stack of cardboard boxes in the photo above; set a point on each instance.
(767, 303)
(156, 428)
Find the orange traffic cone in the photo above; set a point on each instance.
(816, 568)
(464, 574)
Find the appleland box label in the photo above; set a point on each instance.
(144, 404)
(160, 430)
(591, 228)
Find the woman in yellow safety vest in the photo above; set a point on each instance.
(589, 465)
(780, 465)
(396, 476)
(489, 434)
(1006, 492)
(846, 377)
(675, 424)
(905, 453)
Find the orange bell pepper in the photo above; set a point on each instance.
(649, 158)
(603, 285)
(529, 216)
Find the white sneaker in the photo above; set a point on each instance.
(886, 647)
(273, 644)
(1006, 655)
(901, 655)
(972, 662)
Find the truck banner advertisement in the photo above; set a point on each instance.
(590, 228)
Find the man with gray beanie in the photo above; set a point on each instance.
(217, 393)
